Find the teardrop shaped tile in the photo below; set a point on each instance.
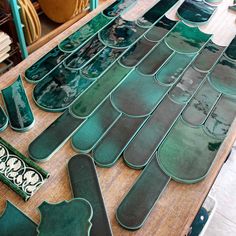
(3, 120)
(231, 49)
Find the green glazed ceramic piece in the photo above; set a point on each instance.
(14, 222)
(187, 153)
(231, 49)
(232, 8)
(59, 89)
(186, 39)
(223, 76)
(174, 68)
(155, 59)
(138, 95)
(149, 137)
(213, 1)
(85, 184)
(54, 137)
(65, 218)
(208, 56)
(3, 120)
(87, 103)
(135, 208)
(19, 173)
(95, 127)
(18, 108)
(86, 32)
(111, 146)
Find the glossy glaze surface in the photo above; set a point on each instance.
(3, 120)
(231, 49)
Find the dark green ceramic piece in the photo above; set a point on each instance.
(54, 137)
(15, 222)
(187, 153)
(3, 120)
(86, 32)
(141, 198)
(87, 103)
(138, 95)
(85, 184)
(18, 108)
(149, 137)
(232, 8)
(65, 218)
(208, 56)
(186, 39)
(111, 146)
(155, 59)
(231, 49)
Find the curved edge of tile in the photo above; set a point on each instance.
(3, 119)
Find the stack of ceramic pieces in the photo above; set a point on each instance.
(5, 42)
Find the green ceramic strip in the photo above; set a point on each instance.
(3, 120)
(214, 1)
(187, 153)
(65, 218)
(54, 137)
(14, 222)
(231, 49)
(20, 173)
(111, 146)
(18, 108)
(135, 208)
(85, 184)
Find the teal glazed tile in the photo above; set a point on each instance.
(65, 218)
(186, 39)
(111, 146)
(208, 56)
(135, 208)
(18, 108)
(155, 59)
(200, 105)
(15, 222)
(145, 143)
(138, 95)
(231, 50)
(223, 76)
(187, 153)
(87, 103)
(174, 68)
(85, 184)
(95, 127)
(59, 89)
(3, 120)
(82, 35)
(53, 137)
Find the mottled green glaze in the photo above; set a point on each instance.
(231, 49)
(141, 198)
(3, 120)
(85, 184)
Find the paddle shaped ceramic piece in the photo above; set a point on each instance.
(3, 120)
(85, 184)
(231, 50)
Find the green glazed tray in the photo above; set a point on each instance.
(3, 120)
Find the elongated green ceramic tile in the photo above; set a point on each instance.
(186, 39)
(18, 108)
(3, 120)
(59, 89)
(174, 68)
(145, 143)
(54, 137)
(65, 218)
(85, 184)
(187, 153)
(155, 59)
(141, 198)
(85, 105)
(208, 56)
(223, 76)
(200, 105)
(138, 95)
(86, 32)
(15, 222)
(231, 49)
(95, 127)
(111, 146)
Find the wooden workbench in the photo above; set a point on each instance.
(177, 207)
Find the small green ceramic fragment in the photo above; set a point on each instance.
(186, 39)
(134, 209)
(86, 32)
(231, 49)
(18, 108)
(66, 218)
(85, 184)
(3, 120)
(187, 153)
(85, 105)
(111, 146)
(14, 222)
(54, 137)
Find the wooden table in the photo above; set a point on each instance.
(177, 207)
